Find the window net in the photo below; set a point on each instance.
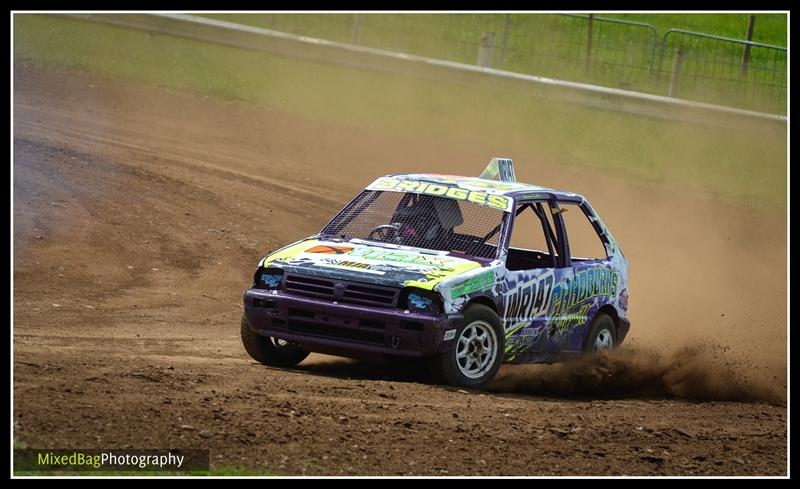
(422, 221)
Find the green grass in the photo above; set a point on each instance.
(769, 28)
(745, 165)
(556, 46)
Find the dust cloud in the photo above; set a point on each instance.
(700, 373)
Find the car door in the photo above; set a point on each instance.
(535, 265)
(593, 281)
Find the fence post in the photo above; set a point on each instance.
(676, 73)
(486, 49)
(746, 56)
(589, 44)
(505, 37)
(355, 30)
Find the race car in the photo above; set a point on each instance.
(429, 267)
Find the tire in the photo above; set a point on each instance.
(270, 351)
(602, 334)
(470, 363)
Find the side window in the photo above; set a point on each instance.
(530, 245)
(528, 233)
(584, 242)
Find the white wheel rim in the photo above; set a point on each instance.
(604, 340)
(476, 349)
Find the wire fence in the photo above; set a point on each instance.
(718, 69)
(577, 47)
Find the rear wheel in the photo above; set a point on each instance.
(478, 351)
(270, 351)
(602, 334)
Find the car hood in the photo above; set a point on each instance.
(361, 261)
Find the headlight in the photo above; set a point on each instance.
(267, 278)
(419, 300)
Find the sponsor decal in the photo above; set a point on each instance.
(500, 202)
(526, 340)
(586, 285)
(530, 299)
(515, 328)
(488, 184)
(330, 249)
(449, 334)
(532, 196)
(475, 284)
(399, 256)
(569, 321)
(418, 301)
(364, 267)
(435, 276)
(271, 280)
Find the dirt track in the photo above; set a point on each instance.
(140, 213)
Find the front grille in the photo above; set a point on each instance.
(368, 294)
(340, 290)
(312, 286)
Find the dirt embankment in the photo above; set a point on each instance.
(139, 214)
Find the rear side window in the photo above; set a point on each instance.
(584, 242)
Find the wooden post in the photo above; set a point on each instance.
(355, 31)
(746, 56)
(676, 73)
(505, 37)
(486, 49)
(589, 44)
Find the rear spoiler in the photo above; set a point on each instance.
(500, 169)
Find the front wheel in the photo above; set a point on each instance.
(602, 334)
(478, 351)
(270, 351)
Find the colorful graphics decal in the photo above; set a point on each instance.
(586, 285)
(530, 300)
(475, 284)
(330, 249)
(456, 192)
(398, 266)
(364, 267)
(419, 301)
(562, 324)
(457, 290)
(547, 311)
(527, 297)
(400, 256)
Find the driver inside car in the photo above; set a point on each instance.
(428, 220)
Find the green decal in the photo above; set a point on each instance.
(474, 284)
(516, 328)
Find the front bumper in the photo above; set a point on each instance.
(322, 325)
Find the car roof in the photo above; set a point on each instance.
(516, 190)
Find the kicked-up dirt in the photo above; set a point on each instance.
(140, 214)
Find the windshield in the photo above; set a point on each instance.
(422, 221)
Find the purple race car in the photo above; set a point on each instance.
(463, 273)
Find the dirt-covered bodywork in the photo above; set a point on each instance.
(396, 269)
